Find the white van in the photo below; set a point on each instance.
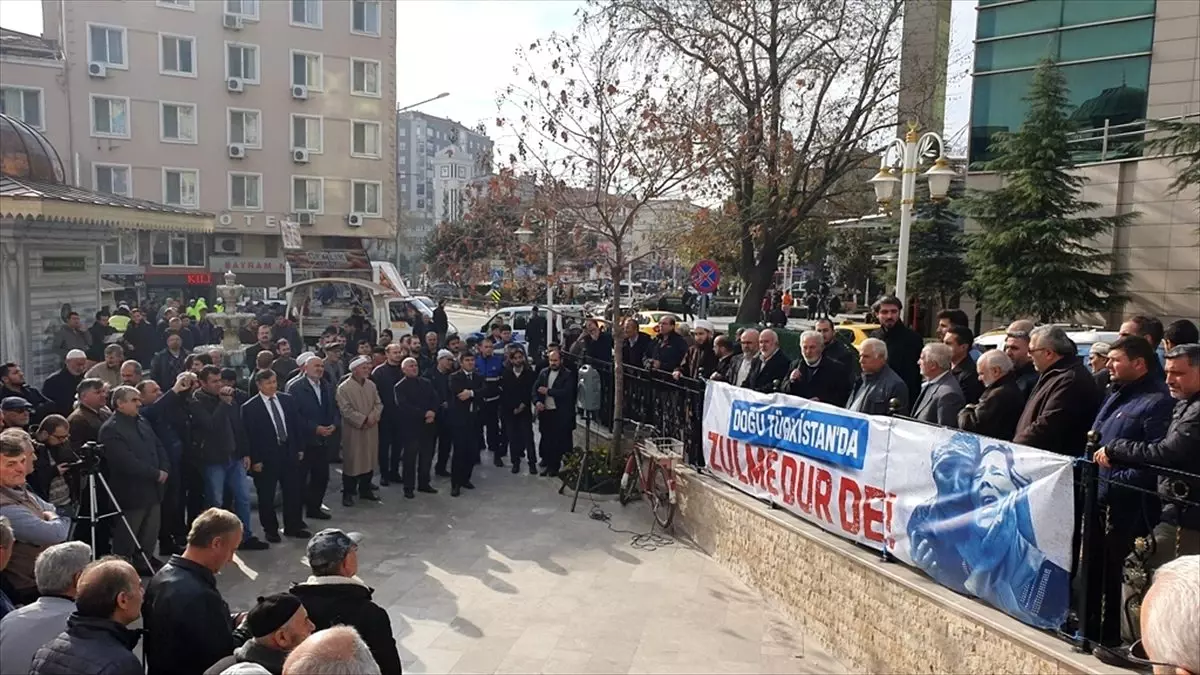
(316, 304)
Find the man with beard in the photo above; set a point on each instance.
(12, 383)
(60, 387)
(263, 344)
(385, 377)
(490, 366)
(361, 408)
(554, 401)
(109, 370)
(744, 365)
(1016, 346)
(516, 398)
(773, 364)
(142, 339)
(283, 363)
(418, 405)
(903, 343)
(131, 373)
(700, 362)
(170, 362)
(724, 349)
(1001, 403)
(815, 376)
(440, 379)
(466, 392)
(1061, 408)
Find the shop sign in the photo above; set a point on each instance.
(223, 264)
(199, 279)
(64, 263)
(350, 259)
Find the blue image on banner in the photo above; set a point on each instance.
(840, 440)
(976, 534)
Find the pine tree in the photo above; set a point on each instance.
(1031, 256)
(937, 267)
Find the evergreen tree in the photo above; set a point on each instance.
(1032, 254)
(937, 268)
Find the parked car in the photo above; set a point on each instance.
(563, 318)
(855, 333)
(1083, 337)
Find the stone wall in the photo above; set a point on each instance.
(875, 616)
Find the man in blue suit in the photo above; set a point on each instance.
(273, 428)
(319, 419)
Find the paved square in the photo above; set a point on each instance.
(506, 580)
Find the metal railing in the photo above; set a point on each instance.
(1115, 141)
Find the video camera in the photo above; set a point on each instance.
(89, 455)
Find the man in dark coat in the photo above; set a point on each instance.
(634, 344)
(960, 339)
(334, 595)
(516, 401)
(439, 377)
(700, 362)
(745, 364)
(838, 349)
(273, 433)
(418, 407)
(466, 398)
(941, 398)
(12, 383)
(100, 330)
(668, 349)
(773, 367)
(723, 348)
(598, 344)
(385, 376)
(1016, 346)
(1061, 408)
(169, 363)
(166, 411)
(554, 400)
(320, 418)
(816, 376)
(142, 339)
(98, 640)
(903, 343)
(440, 322)
(60, 387)
(1001, 403)
(535, 332)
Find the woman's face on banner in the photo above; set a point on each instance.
(991, 485)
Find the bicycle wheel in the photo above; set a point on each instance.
(660, 496)
(631, 482)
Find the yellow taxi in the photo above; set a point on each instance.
(855, 333)
(648, 321)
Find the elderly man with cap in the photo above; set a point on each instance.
(335, 595)
(15, 412)
(277, 625)
(418, 406)
(358, 399)
(109, 370)
(59, 388)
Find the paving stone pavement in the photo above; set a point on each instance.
(506, 580)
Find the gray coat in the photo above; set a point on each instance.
(874, 392)
(135, 456)
(940, 401)
(24, 631)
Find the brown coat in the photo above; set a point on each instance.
(85, 424)
(1061, 409)
(360, 443)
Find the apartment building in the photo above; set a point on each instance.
(258, 111)
(434, 157)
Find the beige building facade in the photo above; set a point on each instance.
(258, 111)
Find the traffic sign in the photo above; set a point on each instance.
(706, 276)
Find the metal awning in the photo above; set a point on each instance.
(27, 199)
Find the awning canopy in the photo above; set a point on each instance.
(23, 198)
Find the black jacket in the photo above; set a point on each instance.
(166, 367)
(1027, 378)
(724, 366)
(904, 348)
(441, 323)
(769, 374)
(414, 397)
(827, 382)
(668, 350)
(99, 332)
(467, 411)
(563, 392)
(535, 332)
(1061, 409)
(700, 362)
(600, 349)
(59, 390)
(968, 380)
(386, 376)
(1179, 450)
(142, 339)
(217, 433)
(36, 399)
(188, 626)
(135, 456)
(846, 354)
(516, 390)
(89, 646)
(997, 412)
(333, 601)
(251, 652)
(634, 353)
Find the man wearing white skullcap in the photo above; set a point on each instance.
(358, 399)
(60, 387)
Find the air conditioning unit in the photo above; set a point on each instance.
(227, 245)
(300, 155)
(299, 92)
(233, 22)
(97, 69)
(235, 84)
(354, 220)
(305, 218)
(237, 151)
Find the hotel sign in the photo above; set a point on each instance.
(237, 221)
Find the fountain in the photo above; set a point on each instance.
(231, 322)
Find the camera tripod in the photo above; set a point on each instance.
(87, 491)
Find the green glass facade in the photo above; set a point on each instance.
(1102, 46)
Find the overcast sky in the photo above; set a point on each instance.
(466, 47)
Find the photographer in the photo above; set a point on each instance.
(35, 523)
(137, 472)
(48, 475)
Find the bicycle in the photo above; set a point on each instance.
(650, 471)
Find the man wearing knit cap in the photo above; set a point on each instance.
(277, 625)
(358, 399)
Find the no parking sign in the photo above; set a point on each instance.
(706, 276)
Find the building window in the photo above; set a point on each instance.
(366, 197)
(245, 127)
(403, 160)
(23, 103)
(247, 9)
(306, 13)
(177, 4)
(112, 179)
(364, 141)
(178, 122)
(428, 132)
(122, 249)
(176, 55)
(180, 187)
(420, 188)
(461, 171)
(306, 70)
(364, 77)
(403, 132)
(308, 194)
(365, 17)
(445, 172)
(110, 116)
(168, 249)
(421, 204)
(245, 191)
(106, 44)
(308, 132)
(241, 61)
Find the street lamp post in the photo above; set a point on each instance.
(525, 235)
(909, 152)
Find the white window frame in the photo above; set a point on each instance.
(378, 18)
(320, 86)
(257, 60)
(124, 44)
(247, 16)
(378, 78)
(229, 187)
(182, 5)
(162, 125)
(229, 112)
(318, 25)
(174, 236)
(180, 170)
(162, 53)
(378, 138)
(92, 116)
(121, 237)
(41, 95)
(96, 166)
(378, 198)
(320, 149)
(292, 187)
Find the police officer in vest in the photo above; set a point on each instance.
(490, 367)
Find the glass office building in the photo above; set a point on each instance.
(1102, 46)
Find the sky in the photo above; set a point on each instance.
(467, 48)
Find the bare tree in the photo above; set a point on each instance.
(607, 137)
(801, 91)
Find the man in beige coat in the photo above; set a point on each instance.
(358, 399)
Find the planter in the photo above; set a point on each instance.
(600, 479)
